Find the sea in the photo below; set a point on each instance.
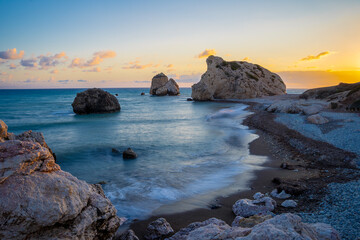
(188, 152)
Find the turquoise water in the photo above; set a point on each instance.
(186, 150)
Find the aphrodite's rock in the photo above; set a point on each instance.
(281, 195)
(158, 229)
(128, 235)
(95, 100)
(289, 204)
(250, 221)
(3, 129)
(40, 201)
(157, 82)
(317, 119)
(129, 154)
(236, 80)
(246, 207)
(172, 87)
(340, 96)
(161, 86)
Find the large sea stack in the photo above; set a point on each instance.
(236, 80)
(95, 100)
(40, 201)
(161, 86)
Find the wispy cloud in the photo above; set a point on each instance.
(206, 53)
(97, 58)
(51, 61)
(11, 54)
(64, 81)
(29, 63)
(136, 65)
(55, 71)
(82, 81)
(95, 69)
(312, 57)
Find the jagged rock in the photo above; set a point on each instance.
(246, 207)
(281, 195)
(317, 119)
(158, 81)
(172, 87)
(258, 195)
(128, 235)
(129, 154)
(250, 221)
(3, 129)
(40, 201)
(343, 95)
(161, 86)
(142, 94)
(158, 229)
(236, 80)
(95, 100)
(289, 204)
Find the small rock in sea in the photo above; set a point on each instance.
(189, 99)
(289, 204)
(114, 150)
(116, 94)
(247, 207)
(102, 182)
(258, 195)
(142, 94)
(128, 235)
(287, 166)
(129, 154)
(158, 229)
(250, 221)
(281, 195)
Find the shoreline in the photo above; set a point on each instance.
(273, 144)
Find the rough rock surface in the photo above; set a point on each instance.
(282, 227)
(3, 130)
(95, 100)
(250, 221)
(128, 235)
(289, 204)
(246, 207)
(129, 154)
(40, 201)
(317, 119)
(281, 195)
(158, 229)
(298, 106)
(236, 80)
(161, 86)
(343, 95)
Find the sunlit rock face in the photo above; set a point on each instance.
(40, 201)
(236, 80)
(161, 86)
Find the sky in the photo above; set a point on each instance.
(80, 44)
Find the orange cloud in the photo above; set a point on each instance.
(170, 66)
(12, 66)
(60, 55)
(95, 69)
(11, 54)
(206, 53)
(106, 54)
(137, 65)
(55, 71)
(98, 57)
(311, 57)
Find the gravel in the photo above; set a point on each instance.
(340, 208)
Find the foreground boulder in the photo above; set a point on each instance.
(161, 86)
(236, 80)
(247, 207)
(158, 229)
(282, 227)
(95, 100)
(40, 201)
(343, 96)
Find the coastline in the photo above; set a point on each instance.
(273, 142)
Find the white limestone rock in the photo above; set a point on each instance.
(236, 80)
(161, 86)
(158, 81)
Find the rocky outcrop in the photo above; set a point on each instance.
(341, 96)
(247, 207)
(3, 130)
(40, 201)
(129, 154)
(161, 86)
(282, 227)
(295, 107)
(95, 100)
(158, 229)
(127, 235)
(236, 80)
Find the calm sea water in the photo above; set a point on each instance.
(188, 152)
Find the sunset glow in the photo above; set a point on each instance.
(67, 44)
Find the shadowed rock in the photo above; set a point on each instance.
(129, 154)
(158, 229)
(95, 100)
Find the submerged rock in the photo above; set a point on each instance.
(236, 80)
(158, 229)
(129, 154)
(317, 119)
(40, 201)
(246, 207)
(95, 100)
(161, 86)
